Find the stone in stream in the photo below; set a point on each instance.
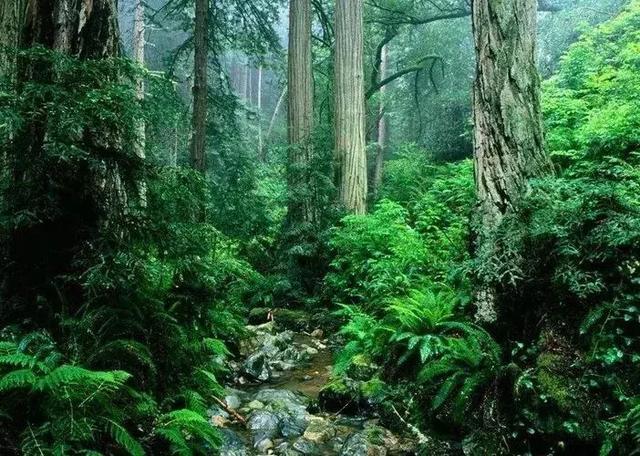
(359, 444)
(255, 405)
(306, 447)
(264, 445)
(256, 367)
(319, 431)
(232, 444)
(233, 401)
(263, 424)
(317, 333)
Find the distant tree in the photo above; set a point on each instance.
(509, 142)
(200, 89)
(350, 158)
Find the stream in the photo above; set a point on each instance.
(275, 391)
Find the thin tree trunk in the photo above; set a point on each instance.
(382, 123)
(261, 155)
(508, 136)
(199, 119)
(300, 109)
(274, 116)
(350, 153)
(139, 57)
(244, 82)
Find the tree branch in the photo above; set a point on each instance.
(414, 69)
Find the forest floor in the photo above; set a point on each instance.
(272, 406)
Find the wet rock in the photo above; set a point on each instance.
(263, 425)
(317, 333)
(292, 422)
(255, 405)
(232, 444)
(264, 445)
(256, 367)
(319, 431)
(310, 350)
(359, 444)
(306, 447)
(342, 395)
(272, 395)
(233, 402)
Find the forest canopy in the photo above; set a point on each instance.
(319, 227)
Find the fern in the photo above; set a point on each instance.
(123, 438)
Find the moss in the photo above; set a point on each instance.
(554, 383)
(361, 367)
(374, 389)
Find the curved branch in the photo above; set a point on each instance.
(414, 69)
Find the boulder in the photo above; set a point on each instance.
(306, 447)
(359, 444)
(255, 405)
(264, 445)
(232, 444)
(263, 424)
(256, 367)
(319, 431)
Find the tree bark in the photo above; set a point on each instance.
(350, 152)
(508, 135)
(300, 109)
(11, 20)
(139, 57)
(43, 250)
(382, 123)
(199, 118)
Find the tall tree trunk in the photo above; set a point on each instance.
(11, 20)
(382, 123)
(350, 152)
(43, 250)
(300, 108)
(508, 136)
(261, 155)
(139, 57)
(199, 119)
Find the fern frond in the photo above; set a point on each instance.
(21, 378)
(122, 437)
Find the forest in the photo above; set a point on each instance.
(319, 227)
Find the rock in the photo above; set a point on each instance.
(255, 405)
(293, 422)
(361, 368)
(233, 402)
(272, 395)
(256, 367)
(341, 394)
(317, 333)
(219, 421)
(319, 431)
(359, 444)
(263, 425)
(232, 444)
(264, 445)
(303, 446)
(306, 378)
(310, 350)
